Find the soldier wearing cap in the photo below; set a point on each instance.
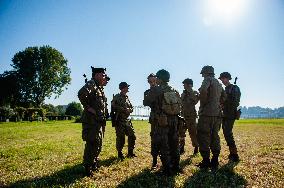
(229, 113)
(93, 99)
(149, 96)
(123, 108)
(167, 105)
(189, 99)
(212, 95)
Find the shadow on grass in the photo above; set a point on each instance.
(223, 177)
(62, 178)
(148, 178)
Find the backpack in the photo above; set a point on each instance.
(171, 103)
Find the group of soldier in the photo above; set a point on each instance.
(171, 116)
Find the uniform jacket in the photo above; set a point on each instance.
(122, 106)
(189, 99)
(92, 95)
(232, 101)
(211, 96)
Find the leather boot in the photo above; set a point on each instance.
(154, 163)
(195, 152)
(214, 162)
(131, 154)
(233, 156)
(120, 155)
(204, 164)
(88, 171)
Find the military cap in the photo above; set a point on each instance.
(98, 70)
(163, 75)
(225, 75)
(207, 70)
(188, 81)
(151, 75)
(123, 85)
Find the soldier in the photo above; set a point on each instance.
(212, 95)
(189, 99)
(229, 114)
(123, 126)
(149, 101)
(93, 99)
(168, 109)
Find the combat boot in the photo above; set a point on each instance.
(204, 164)
(181, 150)
(233, 156)
(95, 166)
(214, 162)
(120, 155)
(131, 154)
(88, 171)
(154, 163)
(195, 152)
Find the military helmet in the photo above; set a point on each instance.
(123, 85)
(188, 81)
(98, 70)
(207, 70)
(225, 75)
(151, 75)
(163, 75)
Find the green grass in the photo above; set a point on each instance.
(49, 154)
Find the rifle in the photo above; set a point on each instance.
(86, 80)
(235, 82)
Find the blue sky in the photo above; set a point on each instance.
(134, 38)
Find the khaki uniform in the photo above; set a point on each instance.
(92, 95)
(122, 106)
(229, 115)
(211, 95)
(189, 99)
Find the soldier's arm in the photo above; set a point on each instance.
(203, 90)
(116, 106)
(236, 95)
(223, 97)
(195, 97)
(83, 95)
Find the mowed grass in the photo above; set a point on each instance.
(49, 154)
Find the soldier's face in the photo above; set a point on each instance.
(225, 81)
(152, 81)
(187, 86)
(101, 79)
(124, 90)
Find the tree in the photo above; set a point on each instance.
(41, 72)
(74, 109)
(10, 92)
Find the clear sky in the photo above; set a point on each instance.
(136, 37)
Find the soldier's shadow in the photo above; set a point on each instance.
(148, 178)
(225, 176)
(62, 178)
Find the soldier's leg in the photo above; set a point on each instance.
(162, 142)
(182, 131)
(193, 133)
(89, 150)
(129, 131)
(227, 126)
(174, 143)
(97, 146)
(154, 145)
(120, 139)
(203, 138)
(215, 141)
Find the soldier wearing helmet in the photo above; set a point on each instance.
(167, 108)
(211, 96)
(94, 116)
(229, 113)
(189, 99)
(122, 107)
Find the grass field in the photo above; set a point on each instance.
(49, 154)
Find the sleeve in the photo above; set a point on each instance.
(236, 95)
(83, 95)
(203, 90)
(223, 95)
(195, 97)
(116, 106)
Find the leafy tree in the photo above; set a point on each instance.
(9, 94)
(74, 109)
(41, 72)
